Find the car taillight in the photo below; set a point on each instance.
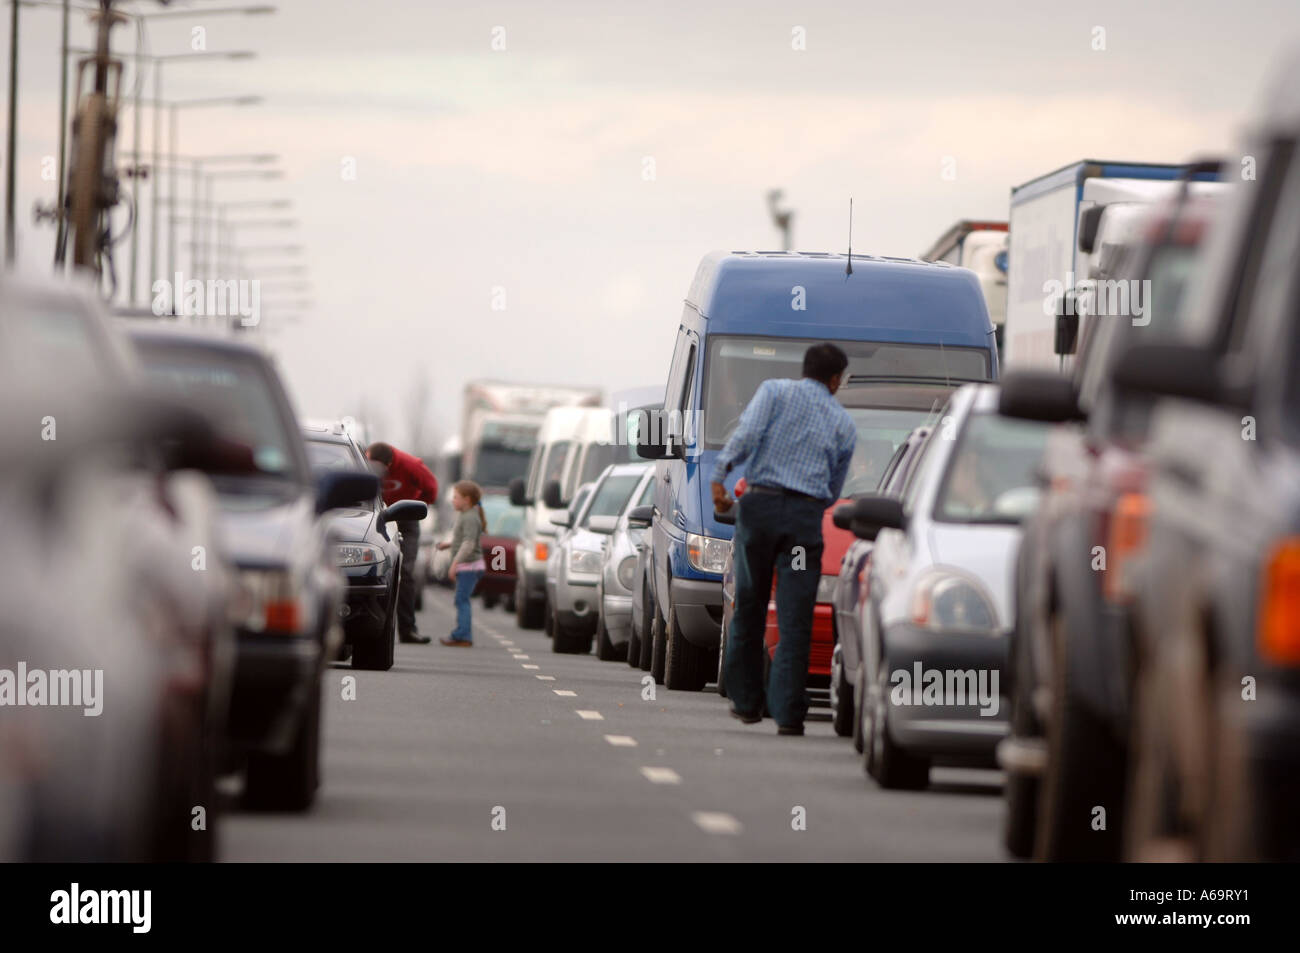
(540, 551)
(1128, 536)
(1279, 609)
(283, 616)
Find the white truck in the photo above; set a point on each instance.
(1066, 227)
(981, 246)
(499, 422)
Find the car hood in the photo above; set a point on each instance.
(262, 530)
(987, 552)
(352, 524)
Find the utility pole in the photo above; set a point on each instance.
(12, 145)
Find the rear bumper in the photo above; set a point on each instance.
(964, 713)
(821, 646)
(698, 604)
(495, 583)
(274, 678)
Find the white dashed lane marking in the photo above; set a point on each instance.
(547, 678)
(590, 715)
(715, 822)
(661, 775)
(621, 741)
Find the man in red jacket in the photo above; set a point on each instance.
(405, 477)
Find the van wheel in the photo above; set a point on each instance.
(529, 613)
(288, 781)
(686, 665)
(658, 650)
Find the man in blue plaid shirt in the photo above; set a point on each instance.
(798, 441)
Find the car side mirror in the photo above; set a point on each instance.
(551, 495)
(873, 513)
(640, 517)
(338, 488)
(1067, 324)
(519, 493)
(565, 520)
(842, 517)
(602, 524)
(403, 511)
(1039, 395)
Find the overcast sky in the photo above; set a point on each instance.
(525, 169)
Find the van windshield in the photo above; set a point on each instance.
(737, 365)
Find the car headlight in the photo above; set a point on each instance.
(706, 553)
(266, 600)
(945, 602)
(826, 588)
(357, 554)
(584, 562)
(627, 572)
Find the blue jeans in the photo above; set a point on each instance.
(781, 534)
(465, 583)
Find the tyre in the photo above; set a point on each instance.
(841, 699)
(510, 603)
(686, 666)
(376, 654)
(859, 693)
(646, 662)
(490, 600)
(1085, 769)
(658, 653)
(1021, 790)
(565, 641)
(529, 613)
(722, 662)
(633, 649)
(606, 650)
(288, 781)
(891, 766)
(188, 780)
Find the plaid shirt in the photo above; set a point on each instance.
(795, 435)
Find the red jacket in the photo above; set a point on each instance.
(409, 479)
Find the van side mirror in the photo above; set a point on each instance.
(519, 493)
(551, 495)
(1177, 370)
(1039, 395)
(1067, 324)
(1089, 220)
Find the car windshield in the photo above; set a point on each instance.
(993, 474)
(881, 431)
(503, 452)
(612, 496)
(330, 455)
(737, 365)
(234, 392)
(601, 455)
(507, 523)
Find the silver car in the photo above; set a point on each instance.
(573, 568)
(618, 578)
(939, 609)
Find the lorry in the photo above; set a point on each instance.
(981, 246)
(1066, 229)
(499, 424)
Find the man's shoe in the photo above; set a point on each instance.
(415, 639)
(746, 719)
(789, 729)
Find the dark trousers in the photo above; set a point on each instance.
(781, 534)
(410, 530)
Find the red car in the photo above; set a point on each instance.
(504, 523)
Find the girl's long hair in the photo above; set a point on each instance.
(474, 493)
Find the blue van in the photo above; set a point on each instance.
(748, 317)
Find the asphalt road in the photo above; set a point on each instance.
(433, 758)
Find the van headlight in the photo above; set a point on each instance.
(584, 562)
(947, 602)
(706, 553)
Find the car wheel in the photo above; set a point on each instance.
(685, 665)
(646, 662)
(891, 766)
(841, 697)
(510, 603)
(722, 661)
(490, 600)
(1085, 769)
(565, 641)
(859, 693)
(288, 781)
(376, 654)
(633, 648)
(606, 650)
(1021, 789)
(187, 778)
(529, 613)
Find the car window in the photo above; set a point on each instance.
(236, 393)
(648, 494)
(881, 431)
(553, 466)
(992, 474)
(508, 523)
(599, 456)
(329, 455)
(611, 496)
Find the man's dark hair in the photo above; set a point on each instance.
(821, 362)
(381, 452)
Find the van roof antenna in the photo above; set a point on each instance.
(848, 268)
